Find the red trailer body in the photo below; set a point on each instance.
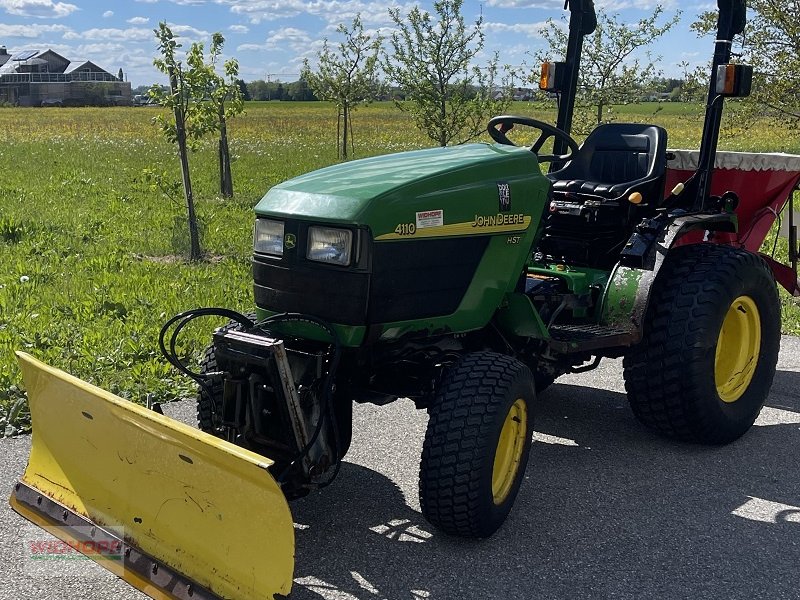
(764, 184)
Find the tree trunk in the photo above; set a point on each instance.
(180, 129)
(599, 113)
(345, 117)
(443, 120)
(225, 176)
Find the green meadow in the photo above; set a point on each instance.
(91, 248)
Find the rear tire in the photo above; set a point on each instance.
(691, 378)
(477, 444)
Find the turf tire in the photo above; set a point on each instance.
(466, 419)
(670, 375)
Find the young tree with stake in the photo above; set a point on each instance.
(220, 98)
(432, 60)
(186, 124)
(347, 76)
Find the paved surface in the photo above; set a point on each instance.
(607, 511)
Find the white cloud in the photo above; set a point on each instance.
(187, 31)
(41, 9)
(608, 5)
(239, 29)
(108, 13)
(31, 31)
(528, 29)
(295, 39)
(549, 4)
(373, 12)
(134, 34)
(138, 20)
(615, 5)
(110, 33)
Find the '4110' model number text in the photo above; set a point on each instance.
(406, 229)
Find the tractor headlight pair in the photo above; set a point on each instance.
(325, 244)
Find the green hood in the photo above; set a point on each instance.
(349, 192)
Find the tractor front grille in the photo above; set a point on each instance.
(419, 279)
(388, 282)
(335, 295)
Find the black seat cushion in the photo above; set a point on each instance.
(616, 159)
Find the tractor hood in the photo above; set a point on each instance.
(437, 232)
(363, 191)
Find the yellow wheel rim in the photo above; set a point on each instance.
(509, 450)
(738, 346)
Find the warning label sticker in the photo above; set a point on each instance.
(430, 218)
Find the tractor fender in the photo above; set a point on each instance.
(627, 295)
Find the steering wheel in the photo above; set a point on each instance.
(506, 123)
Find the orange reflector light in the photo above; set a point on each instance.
(547, 76)
(734, 81)
(726, 79)
(635, 198)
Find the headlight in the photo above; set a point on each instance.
(268, 237)
(330, 245)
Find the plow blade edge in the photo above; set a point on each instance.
(191, 515)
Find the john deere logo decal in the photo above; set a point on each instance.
(290, 242)
(504, 196)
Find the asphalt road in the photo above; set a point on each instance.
(607, 511)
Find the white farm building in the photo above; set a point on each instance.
(36, 78)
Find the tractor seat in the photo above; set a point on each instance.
(614, 161)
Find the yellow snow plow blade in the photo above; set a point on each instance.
(178, 513)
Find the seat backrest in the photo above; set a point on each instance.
(614, 155)
(618, 157)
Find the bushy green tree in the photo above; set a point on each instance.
(612, 70)
(432, 60)
(772, 45)
(347, 75)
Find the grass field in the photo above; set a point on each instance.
(91, 264)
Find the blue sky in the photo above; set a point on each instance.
(272, 37)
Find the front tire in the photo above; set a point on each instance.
(208, 419)
(711, 336)
(477, 444)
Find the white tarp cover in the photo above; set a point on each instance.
(686, 160)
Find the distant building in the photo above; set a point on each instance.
(34, 78)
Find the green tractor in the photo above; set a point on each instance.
(467, 279)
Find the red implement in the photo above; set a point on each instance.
(764, 184)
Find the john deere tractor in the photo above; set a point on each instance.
(467, 279)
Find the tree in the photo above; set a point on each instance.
(258, 89)
(432, 61)
(348, 76)
(219, 99)
(300, 91)
(772, 45)
(610, 69)
(243, 90)
(182, 129)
